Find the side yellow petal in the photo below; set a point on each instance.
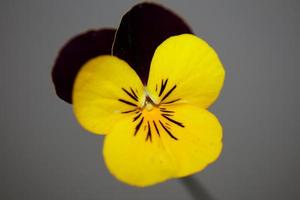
(189, 64)
(100, 93)
(134, 159)
(199, 138)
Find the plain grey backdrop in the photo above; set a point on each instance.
(45, 154)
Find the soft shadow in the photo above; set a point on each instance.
(196, 189)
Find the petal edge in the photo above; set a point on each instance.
(141, 30)
(74, 54)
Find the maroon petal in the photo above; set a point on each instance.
(142, 29)
(74, 54)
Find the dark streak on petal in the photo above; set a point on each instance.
(170, 91)
(168, 124)
(129, 111)
(168, 114)
(173, 101)
(74, 54)
(157, 131)
(136, 117)
(163, 86)
(138, 126)
(170, 134)
(145, 126)
(173, 121)
(134, 94)
(149, 136)
(134, 97)
(127, 102)
(141, 30)
(167, 111)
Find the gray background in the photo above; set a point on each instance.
(46, 155)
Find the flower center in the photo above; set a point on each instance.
(149, 104)
(152, 117)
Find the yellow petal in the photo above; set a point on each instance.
(199, 139)
(134, 159)
(105, 89)
(164, 143)
(189, 68)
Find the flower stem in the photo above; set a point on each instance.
(196, 188)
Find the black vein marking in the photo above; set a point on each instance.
(157, 131)
(173, 101)
(168, 126)
(170, 91)
(133, 96)
(167, 111)
(170, 134)
(149, 136)
(168, 114)
(163, 86)
(156, 87)
(173, 121)
(137, 128)
(127, 102)
(129, 111)
(135, 118)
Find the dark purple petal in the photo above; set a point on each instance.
(142, 29)
(74, 54)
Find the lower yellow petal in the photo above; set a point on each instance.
(105, 89)
(135, 160)
(162, 143)
(199, 141)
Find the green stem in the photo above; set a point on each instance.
(196, 189)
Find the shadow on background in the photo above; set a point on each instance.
(196, 189)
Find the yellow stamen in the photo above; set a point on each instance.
(149, 106)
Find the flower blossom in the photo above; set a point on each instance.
(154, 117)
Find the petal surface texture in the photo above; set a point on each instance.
(185, 69)
(198, 143)
(74, 54)
(172, 151)
(133, 160)
(101, 93)
(141, 30)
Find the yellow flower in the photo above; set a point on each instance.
(157, 131)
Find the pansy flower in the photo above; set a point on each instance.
(149, 97)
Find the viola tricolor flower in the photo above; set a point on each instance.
(149, 97)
